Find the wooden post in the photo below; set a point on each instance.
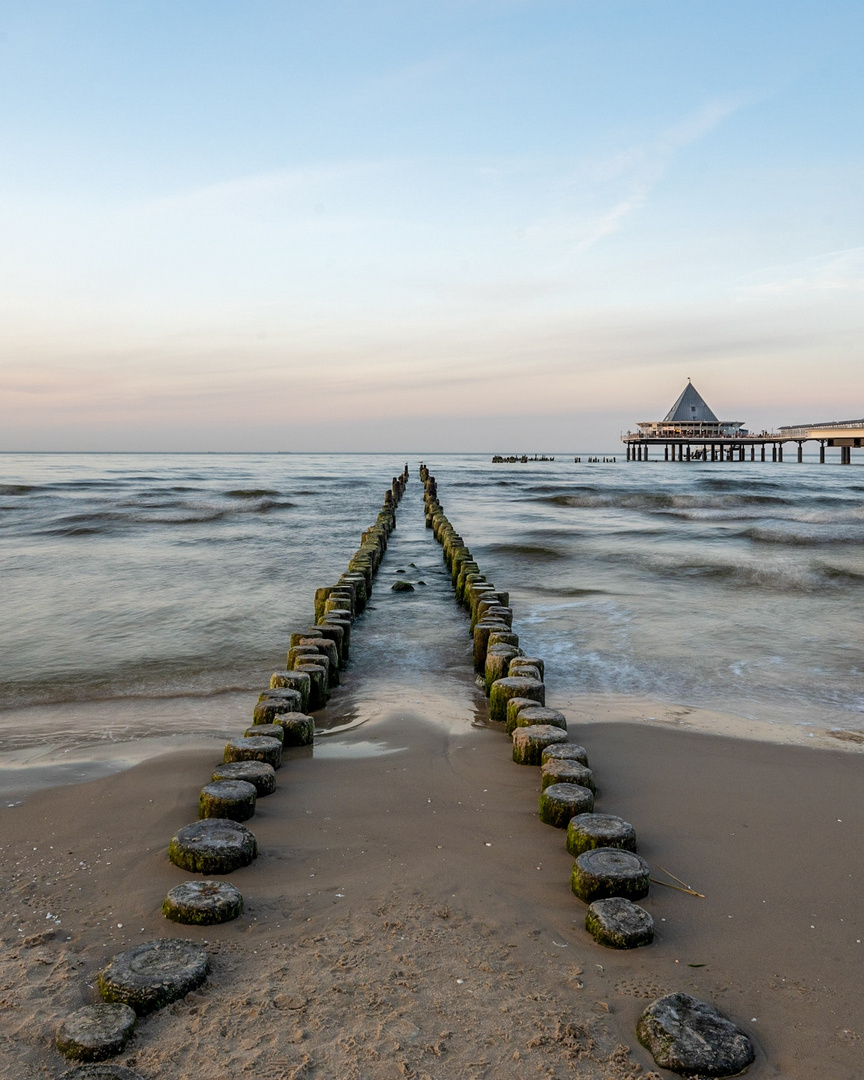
(800, 452)
(666, 451)
(774, 451)
(763, 451)
(780, 451)
(821, 451)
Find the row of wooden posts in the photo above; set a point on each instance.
(153, 974)
(607, 875)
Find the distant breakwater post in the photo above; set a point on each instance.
(608, 875)
(691, 432)
(151, 975)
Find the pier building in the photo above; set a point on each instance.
(690, 431)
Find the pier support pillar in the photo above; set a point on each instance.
(800, 452)
(666, 451)
(822, 453)
(763, 451)
(780, 451)
(752, 453)
(774, 451)
(688, 451)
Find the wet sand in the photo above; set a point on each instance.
(409, 915)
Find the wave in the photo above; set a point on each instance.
(831, 532)
(252, 493)
(663, 502)
(532, 552)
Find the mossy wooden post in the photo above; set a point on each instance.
(566, 772)
(298, 635)
(336, 634)
(532, 661)
(293, 680)
(361, 595)
(212, 846)
(503, 689)
(202, 903)
(589, 831)
(503, 637)
(497, 662)
(603, 872)
(345, 624)
(327, 650)
(321, 597)
(232, 799)
(514, 705)
(561, 802)
(273, 730)
(151, 975)
(482, 632)
(270, 706)
(318, 686)
(565, 752)
(258, 773)
(96, 1032)
(297, 651)
(269, 750)
(341, 604)
(495, 611)
(530, 742)
(539, 714)
(617, 923)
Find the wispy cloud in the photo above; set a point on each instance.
(834, 272)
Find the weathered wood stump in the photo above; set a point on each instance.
(298, 636)
(560, 802)
(533, 661)
(514, 706)
(317, 672)
(298, 729)
(537, 714)
(693, 1038)
(503, 636)
(270, 731)
(303, 649)
(263, 749)
(619, 924)
(566, 772)
(258, 773)
(497, 662)
(335, 634)
(513, 686)
(96, 1032)
(589, 831)
(233, 799)
(273, 702)
(202, 903)
(293, 680)
(345, 624)
(151, 975)
(530, 742)
(212, 846)
(565, 752)
(603, 872)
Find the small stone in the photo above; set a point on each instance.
(153, 974)
(402, 586)
(619, 924)
(693, 1038)
(96, 1032)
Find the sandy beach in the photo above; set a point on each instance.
(408, 914)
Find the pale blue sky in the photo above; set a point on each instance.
(406, 225)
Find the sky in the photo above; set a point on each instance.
(452, 225)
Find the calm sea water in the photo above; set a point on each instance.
(731, 586)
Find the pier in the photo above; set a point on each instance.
(691, 432)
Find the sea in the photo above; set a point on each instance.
(148, 597)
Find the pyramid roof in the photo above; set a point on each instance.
(690, 406)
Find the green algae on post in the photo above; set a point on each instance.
(258, 773)
(263, 749)
(530, 742)
(617, 923)
(151, 975)
(212, 846)
(603, 872)
(233, 799)
(565, 752)
(560, 802)
(566, 772)
(96, 1032)
(589, 831)
(502, 690)
(203, 903)
(529, 715)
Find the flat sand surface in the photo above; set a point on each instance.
(409, 916)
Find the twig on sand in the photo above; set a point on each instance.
(682, 886)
